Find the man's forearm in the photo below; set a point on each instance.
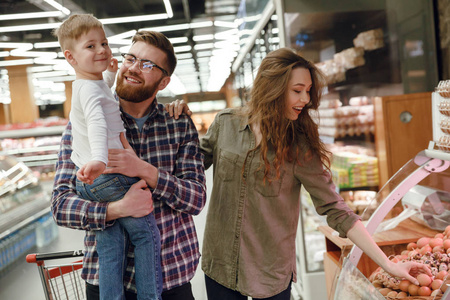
(150, 174)
(114, 211)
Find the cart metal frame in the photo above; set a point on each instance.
(63, 281)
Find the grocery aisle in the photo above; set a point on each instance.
(22, 282)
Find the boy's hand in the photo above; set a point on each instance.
(113, 65)
(177, 107)
(90, 171)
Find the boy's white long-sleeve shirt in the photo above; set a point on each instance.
(96, 121)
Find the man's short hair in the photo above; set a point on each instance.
(161, 42)
(74, 27)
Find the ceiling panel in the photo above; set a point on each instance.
(211, 25)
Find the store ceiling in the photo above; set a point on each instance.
(203, 33)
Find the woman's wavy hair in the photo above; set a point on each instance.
(267, 108)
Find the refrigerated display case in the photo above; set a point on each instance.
(36, 147)
(421, 188)
(427, 214)
(25, 218)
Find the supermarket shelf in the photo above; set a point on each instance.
(30, 150)
(23, 215)
(32, 132)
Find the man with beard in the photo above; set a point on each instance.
(164, 152)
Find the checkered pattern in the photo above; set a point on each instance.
(173, 147)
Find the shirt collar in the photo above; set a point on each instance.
(244, 124)
(153, 107)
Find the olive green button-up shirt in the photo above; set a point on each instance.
(249, 240)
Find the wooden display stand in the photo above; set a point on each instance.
(403, 127)
(392, 242)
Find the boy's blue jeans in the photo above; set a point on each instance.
(112, 243)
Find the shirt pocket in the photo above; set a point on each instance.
(266, 188)
(227, 165)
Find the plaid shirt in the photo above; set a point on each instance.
(171, 146)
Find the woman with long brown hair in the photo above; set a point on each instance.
(262, 154)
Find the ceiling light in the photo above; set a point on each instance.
(48, 61)
(123, 35)
(203, 59)
(185, 62)
(35, 15)
(4, 53)
(120, 42)
(16, 62)
(59, 78)
(20, 52)
(40, 69)
(204, 46)
(202, 24)
(225, 24)
(167, 28)
(25, 46)
(176, 27)
(134, 19)
(205, 37)
(50, 74)
(104, 21)
(168, 8)
(46, 45)
(182, 49)
(204, 53)
(179, 40)
(181, 56)
(29, 27)
(227, 34)
(58, 6)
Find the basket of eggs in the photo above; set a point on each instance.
(433, 251)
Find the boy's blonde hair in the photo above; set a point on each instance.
(74, 27)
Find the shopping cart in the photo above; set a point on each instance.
(63, 281)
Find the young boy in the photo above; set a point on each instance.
(97, 125)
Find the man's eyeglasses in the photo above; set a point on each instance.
(145, 65)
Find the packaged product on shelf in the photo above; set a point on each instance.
(346, 120)
(441, 116)
(354, 170)
(330, 103)
(359, 101)
(334, 72)
(370, 40)
(350, 58)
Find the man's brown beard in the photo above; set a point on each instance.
(135, 94)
